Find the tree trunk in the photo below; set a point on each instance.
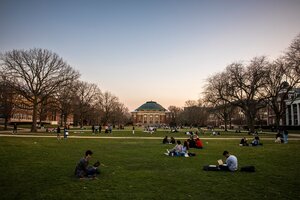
(250, 123)
(225, 128)
(61, 119)
(34, 115)
(65, 119)
(225, 121)
(5, 123)
(277, 122)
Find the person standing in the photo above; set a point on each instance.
(133, 130)
(231, 162)
(15, 128)
(58, 132)
(93, 129)
(66, 133)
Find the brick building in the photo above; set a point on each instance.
(151, 114)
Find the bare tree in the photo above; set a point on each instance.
(283, 77)
(214, 94)
(194, 113)
(7, 99)
(120, 114)
(246, 87)
(64, 101)
(292, 56)
(86, 99)
(280, 83)
(108, 104)
(37, 74)
(175, 115)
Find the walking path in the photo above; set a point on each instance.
(116, 137)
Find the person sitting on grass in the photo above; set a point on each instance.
(83, 170)
(279, 138)
(198, 144)
(172, 140)
(166, 140)
(185, 150)
(244, 142)
(231, 163)
(176, 151)
(256, 141)
(191, 143)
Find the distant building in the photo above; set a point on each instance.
(292, 114)
(151, 114)
(22, 113)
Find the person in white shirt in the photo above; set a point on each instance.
(231, 162)
(176, 151)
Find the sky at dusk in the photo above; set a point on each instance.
(160, 50)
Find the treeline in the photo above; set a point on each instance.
(249, 86)
(41, 81)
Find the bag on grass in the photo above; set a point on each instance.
(248, 169)
(191, 154)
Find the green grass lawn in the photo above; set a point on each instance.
(42, 168)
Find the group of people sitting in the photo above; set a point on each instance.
(149, 129)
(254, 142)
(193, 142)
(180, 150)
(183, 150)
(166, 140)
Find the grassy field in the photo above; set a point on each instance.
(42, 168)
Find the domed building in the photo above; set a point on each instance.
(150, 114)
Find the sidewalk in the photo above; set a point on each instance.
(107, 137)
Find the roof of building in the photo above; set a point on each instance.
(150, 106)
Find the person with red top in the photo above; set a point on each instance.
(199, 144)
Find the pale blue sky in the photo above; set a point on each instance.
(161, 50)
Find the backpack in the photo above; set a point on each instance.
(248, 169)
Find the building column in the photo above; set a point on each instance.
(292, 114)
(298, 113)
(287, 115)
(292, 111)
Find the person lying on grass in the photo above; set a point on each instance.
(83, 170)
